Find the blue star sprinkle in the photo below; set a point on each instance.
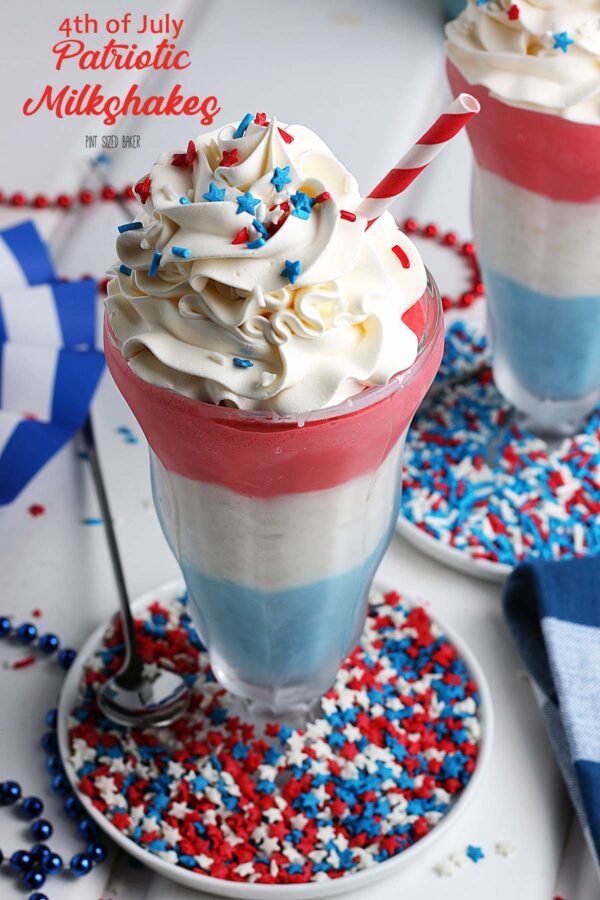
(240, 131)
(183, 252)
(281, 178)
(303, 204)
(562, 41)
(246, 203)
(291, 270)
(475, 853)
(129, 226)
(215, 194)
(242, 363)
(154, 264)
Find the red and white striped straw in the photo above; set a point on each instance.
(425, 151)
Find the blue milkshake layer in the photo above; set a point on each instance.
(551, 344)
(285, 637)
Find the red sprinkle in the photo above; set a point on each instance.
(261, 119)
(401, 256)
(23, 663)
(286, 137)
(230, 158)
(322, 198)
(37, 613)
(142, 188)
(241, 237)
(348, 216)
(36, 509)
(514, 12)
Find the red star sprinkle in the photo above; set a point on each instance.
(229, 158)
(261, 119)
(182, 160)
(514, 12)
(286, 137)
(142, 189)
(241, 237)
(36, 509)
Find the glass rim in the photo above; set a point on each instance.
(367, 397)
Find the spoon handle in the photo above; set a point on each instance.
(129, 676)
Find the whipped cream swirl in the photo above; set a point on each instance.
(539, 54)
(245, 283)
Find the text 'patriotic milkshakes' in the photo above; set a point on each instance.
(256, 327)
(535, 68)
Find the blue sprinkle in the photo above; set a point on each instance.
(240, 131)
(254, 245)
(475, 853)
(124, 269)
(242, 363)
(154, 264)
(93, 520)
(260, 228)
(181, 251)
(129, 226)
(185, 201)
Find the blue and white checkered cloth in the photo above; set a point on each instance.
(553, 612)
(49, 367)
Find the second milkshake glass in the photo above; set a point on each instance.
(279, 523)
(536, 219)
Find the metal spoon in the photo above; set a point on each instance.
(127, 697)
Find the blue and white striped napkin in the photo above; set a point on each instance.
(553, 612)
(49, 367)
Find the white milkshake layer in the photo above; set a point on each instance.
(278, 543)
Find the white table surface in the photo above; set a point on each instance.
(369, 80)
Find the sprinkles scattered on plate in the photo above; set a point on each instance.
(396, 744)
(489, 489)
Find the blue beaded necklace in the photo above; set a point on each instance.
(36, 865)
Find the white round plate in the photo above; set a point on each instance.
(450, 556)
(242, 891)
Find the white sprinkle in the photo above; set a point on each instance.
(217, 358)
(505, 848)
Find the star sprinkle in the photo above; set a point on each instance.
(229, 158)
(291, 270)
(241, 237)
(281, 178)
(475, 853)
(142, 189)
(514, 12)
(302, 204)
(186, 159)
(261, 119)
(240, 131)
(214, 194)
(505, 848)
(562, 41)
(247, 203)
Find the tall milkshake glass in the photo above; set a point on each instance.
(536, 206)
(279, 522)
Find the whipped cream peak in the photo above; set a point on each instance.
(539, 54)
(249, 280)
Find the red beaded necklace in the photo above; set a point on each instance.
(108, 193)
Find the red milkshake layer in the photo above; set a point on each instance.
(258, 455)
(515, 143)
